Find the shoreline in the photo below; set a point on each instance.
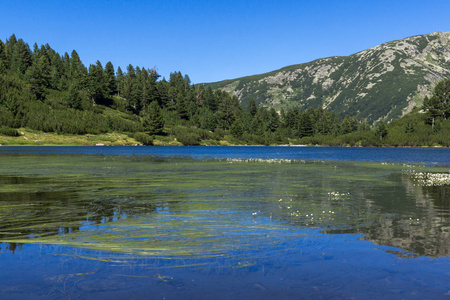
(206, 145)
(28, 137)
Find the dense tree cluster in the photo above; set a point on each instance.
(438, 106)
(43, 90)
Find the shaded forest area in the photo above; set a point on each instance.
(45, 91)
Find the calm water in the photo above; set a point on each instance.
(224, 223)
(417, 155)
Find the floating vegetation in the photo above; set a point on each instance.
(429, 178)
(317, 219)
(261, 160)
(172, 236)
(178, 208)
(338, 195)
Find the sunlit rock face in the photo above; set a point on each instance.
(383, 82)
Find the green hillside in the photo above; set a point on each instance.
(381, 83)
(52, 99)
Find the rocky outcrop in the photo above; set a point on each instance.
(383, 82)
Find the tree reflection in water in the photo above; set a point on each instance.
(408, 216)
(422, 226)
(31, 214)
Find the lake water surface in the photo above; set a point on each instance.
(224, 223)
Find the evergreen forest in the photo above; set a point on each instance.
(44, 91)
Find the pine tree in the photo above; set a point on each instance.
(74, 99)
(210, 99)
(226, 112)
(439, 104)
(291, 118)
(207, 120)
(2, 58)
(11, 55)
(349, 124)
(181, 106)
(381, 131)
(78, 71)
(305, 126)
(162, 90)
(96, 83)
(19, 55)
(66, 66)
(273, 121)
(410, 127)
(119, 79)
(129, 89)
(237, 128)
(110, 79)
(252, 108)
(153, 121)
(39, 75)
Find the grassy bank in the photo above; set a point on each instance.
(30, 137)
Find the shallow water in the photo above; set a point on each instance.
(224, 222)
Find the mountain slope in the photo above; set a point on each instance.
(383, 82)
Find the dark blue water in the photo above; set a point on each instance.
(439, 156)
(311, 267)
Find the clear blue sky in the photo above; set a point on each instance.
(217, 40)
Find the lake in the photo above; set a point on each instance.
(224, 223)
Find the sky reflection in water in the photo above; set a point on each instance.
(120, 225)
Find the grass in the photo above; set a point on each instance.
(29, 137)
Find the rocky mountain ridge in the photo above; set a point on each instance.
(383, 82)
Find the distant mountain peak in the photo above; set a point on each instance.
(383, 82)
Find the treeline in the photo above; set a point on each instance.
(43, 90)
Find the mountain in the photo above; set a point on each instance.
(383, 82)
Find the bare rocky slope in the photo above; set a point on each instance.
(383, 82)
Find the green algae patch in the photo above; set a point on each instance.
(182, 208)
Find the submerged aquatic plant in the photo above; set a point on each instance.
(261, 160)
(180, 208)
